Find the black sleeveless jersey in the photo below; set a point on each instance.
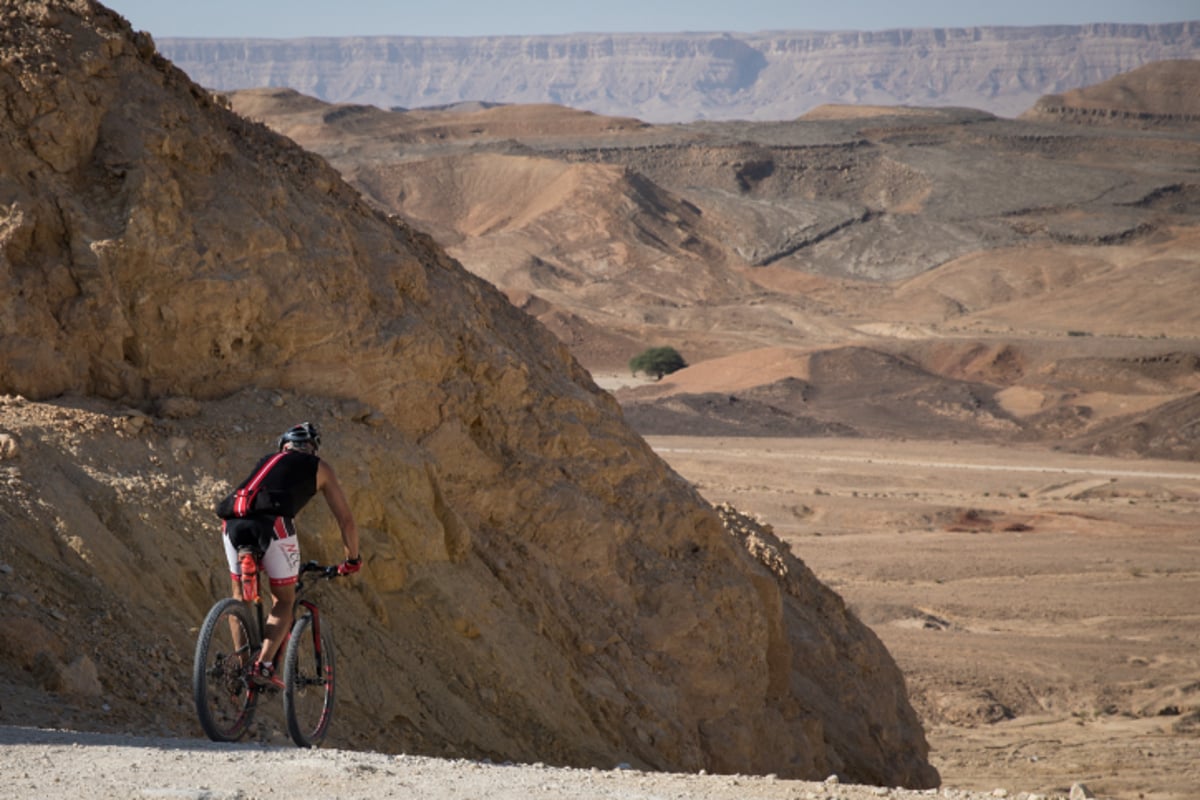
(278, 486)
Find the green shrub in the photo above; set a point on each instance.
(657, 361)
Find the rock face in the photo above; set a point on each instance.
(683, 77)
(177, 285)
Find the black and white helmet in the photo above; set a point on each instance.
(304, 433)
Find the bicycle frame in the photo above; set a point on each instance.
(225, 691)
(313, 612)
(310, 568)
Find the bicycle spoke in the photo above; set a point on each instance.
(224, 698)
(308, 683)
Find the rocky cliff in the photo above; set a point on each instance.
(681, 77)
(178, 284)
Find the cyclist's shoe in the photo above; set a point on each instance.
(261, 673)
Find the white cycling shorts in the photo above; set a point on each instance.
(281, 561)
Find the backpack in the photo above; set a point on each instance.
(248, 500)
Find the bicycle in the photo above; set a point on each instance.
(226, 695)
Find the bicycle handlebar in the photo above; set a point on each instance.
(325, 571)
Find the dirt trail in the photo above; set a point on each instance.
(61, 764)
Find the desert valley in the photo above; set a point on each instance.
(937, 351)
(922, 510)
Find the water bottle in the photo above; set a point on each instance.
(249, 577)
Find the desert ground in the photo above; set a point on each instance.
(54, 764)
(1041, 605)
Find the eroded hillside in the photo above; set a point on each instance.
(895, 242)
(180, 284)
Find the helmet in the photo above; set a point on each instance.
(304, 433)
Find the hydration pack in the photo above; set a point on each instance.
(279, 486)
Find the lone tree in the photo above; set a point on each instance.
(657, 361)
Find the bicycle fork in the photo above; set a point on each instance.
(315, 614)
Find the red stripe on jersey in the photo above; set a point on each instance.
(241, 506)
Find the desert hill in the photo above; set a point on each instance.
(181, 284)
(684, 77)
(1162, 93)
(916, 238)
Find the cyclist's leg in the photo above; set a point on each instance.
(235, 575)
(282, 564)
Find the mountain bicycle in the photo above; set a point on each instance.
(226, 694)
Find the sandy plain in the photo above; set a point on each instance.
(1043, 606)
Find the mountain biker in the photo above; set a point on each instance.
(257, 516)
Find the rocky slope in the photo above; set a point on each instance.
(180, 284)
(684, 77)
(860, 271)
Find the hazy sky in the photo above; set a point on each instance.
(298, 18)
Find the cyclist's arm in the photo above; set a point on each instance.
(327, 484)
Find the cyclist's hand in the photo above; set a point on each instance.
(350, 566)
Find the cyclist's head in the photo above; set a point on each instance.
(304, 434)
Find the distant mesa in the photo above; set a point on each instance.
(685, 77)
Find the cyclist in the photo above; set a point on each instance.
(258, 516)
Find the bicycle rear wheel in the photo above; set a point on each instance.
(225, 700)
(308, 681)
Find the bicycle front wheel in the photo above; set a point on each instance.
(308, 681)
(225, 700)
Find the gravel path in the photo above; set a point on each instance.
(60, 764)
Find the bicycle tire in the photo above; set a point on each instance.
(308, 682)
(225, 700)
